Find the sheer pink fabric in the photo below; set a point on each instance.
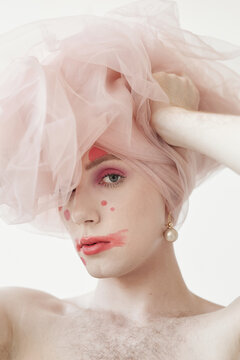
(68, 83)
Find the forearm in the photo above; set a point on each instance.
(215, 135)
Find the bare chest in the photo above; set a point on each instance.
(114, 339)
(87, 335)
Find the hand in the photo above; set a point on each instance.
(180, 90)
(183, 95)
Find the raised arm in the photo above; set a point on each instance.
(179, 124)
(215, 135)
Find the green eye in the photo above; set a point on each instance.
(112, 177)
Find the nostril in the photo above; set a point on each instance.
(73, 191)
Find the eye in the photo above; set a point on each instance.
(113, 180)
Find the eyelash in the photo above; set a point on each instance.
(113, 184)
(109, 184)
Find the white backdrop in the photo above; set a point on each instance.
(208, 246)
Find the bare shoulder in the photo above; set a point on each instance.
(233, 312)
(218, 330)
(12, 301)
(234, 305)
(22, 306)
(5, 328)
(17, 298)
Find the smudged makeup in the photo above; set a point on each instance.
(94, 245)
(109, 177)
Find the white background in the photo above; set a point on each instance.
(208, 246)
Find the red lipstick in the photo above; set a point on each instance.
(96, 244)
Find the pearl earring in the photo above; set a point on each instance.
(170, 234)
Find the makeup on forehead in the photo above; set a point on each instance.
(96, 156)
(95, 153)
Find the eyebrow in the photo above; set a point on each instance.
(100, 160)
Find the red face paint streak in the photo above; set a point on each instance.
(95, 153)
(67, 214)
(115, 239)
(112, 209)
(84, 262)
(103, 202)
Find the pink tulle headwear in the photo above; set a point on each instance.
(71, 83)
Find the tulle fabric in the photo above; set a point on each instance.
(68, 83)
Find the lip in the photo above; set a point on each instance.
(101, 242)
(96, 248)
(93, 240)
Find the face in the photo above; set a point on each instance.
(117, 204)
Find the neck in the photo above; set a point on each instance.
(156, 289)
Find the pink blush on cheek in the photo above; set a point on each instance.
(67, 215)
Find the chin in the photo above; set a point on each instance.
(109, 271)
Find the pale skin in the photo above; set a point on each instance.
(141, 300)
(180, 124)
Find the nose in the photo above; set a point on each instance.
(78, 220)
(83, 209)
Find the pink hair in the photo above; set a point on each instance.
(89, 81)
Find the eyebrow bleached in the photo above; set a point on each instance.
(101, 159)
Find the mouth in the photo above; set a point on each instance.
(92, 241)
(99, 242)
(95, 243)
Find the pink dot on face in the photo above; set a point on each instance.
(60, 208)
(112, 209)
(95, 153)
(104, 202)
(84, 262)
(67, 214)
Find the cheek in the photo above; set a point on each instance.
(104, 203)
(67, 214)
(153, 220)
(145, 208)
